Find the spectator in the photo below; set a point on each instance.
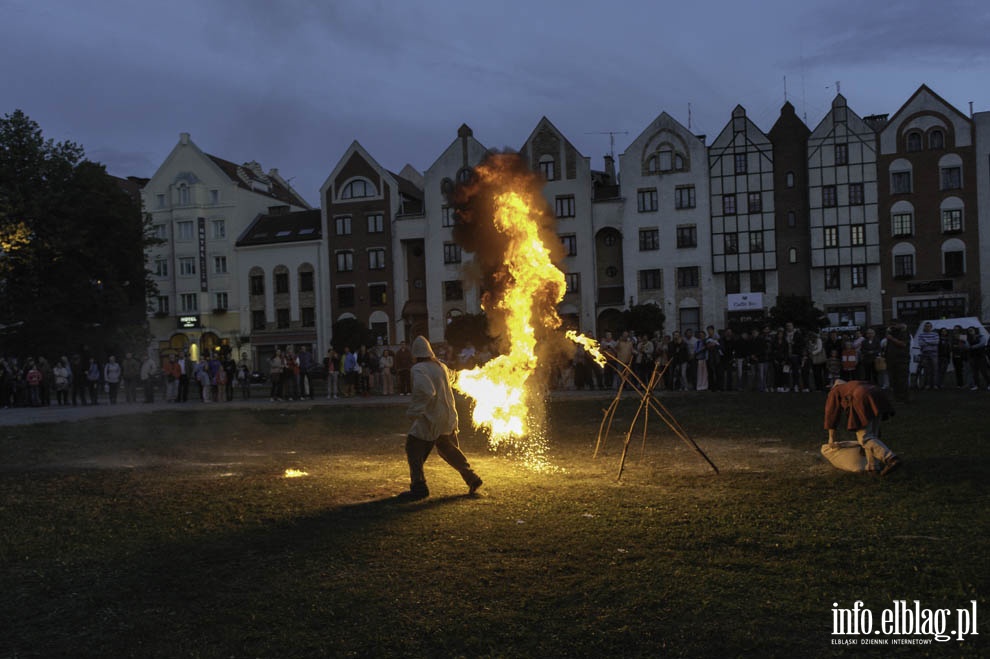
(927, 340)
(147, 377)
(131, 375)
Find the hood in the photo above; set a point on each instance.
(421, 349)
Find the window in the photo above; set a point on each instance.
(257, 284)
(951, 178)
(214, 196)
(858, 273)
(451, 253)
(828, 196)
(855, 194)
(564, 206)
(184, 230)
(646, 200)
(163, 304)
(687, 277)
(464, 175)
(832, 277)
(305, 281)
(732, 283)
(376, 223)
(791, 219)
(447, 216)
(183, 195)
(900, 182)
(258, 320)
(936, 140)
(307, 316)
(649, 240)
(684, 196)
(789, 179)
(189, 302)
(220, 301)
(650, 280)
(453, 290)
(665, 160)
(754, 202)
(160, 231)
(573, 283)
(281, 283)
(219, 229)
(755, 241)
(357, 189)
(758, 281)
(953, 264)
(792, 255)
(343, 225)
(914, 141)
(729, 204)
(740, 163)
(187, 265)
(548, 167)
(161, 267)
(831, 236)
(952, 220)
(377, 295)
(282, 319)
(345, 297)
(219, 265)
(841, 154)
(345, 261)
(687, 236)
(160, 200)
(376, 259)
(904, 265)
(731, 241)
(902, 224)
(857, 234)
(570, 244)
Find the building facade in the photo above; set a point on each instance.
(789, 136)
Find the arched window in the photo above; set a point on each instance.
(792, 255)
(914, 141)
(953, 258)
(936, 139)
(357, 189)
(790, 179)
(464, 175)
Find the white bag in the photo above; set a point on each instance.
(847, 456)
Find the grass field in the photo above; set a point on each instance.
(177, 534)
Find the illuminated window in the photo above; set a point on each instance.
(902, 224)
(952, 220)
(376, 259)
(857, 234)
(831, 236)
(858, 276)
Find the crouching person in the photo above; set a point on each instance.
(866, 405)
(434, 421)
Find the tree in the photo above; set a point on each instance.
(351, 333)
(72, 269)
(643, 319)
(467, 328)
(799, 310)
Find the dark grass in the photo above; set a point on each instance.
(176, 534)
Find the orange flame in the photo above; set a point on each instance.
(504, 391)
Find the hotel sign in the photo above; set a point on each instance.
(202, 254)
(188, 322)
(745, 301)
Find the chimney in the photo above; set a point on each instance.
(610, 169)
(183, 138)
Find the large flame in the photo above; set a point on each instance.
(526, 287)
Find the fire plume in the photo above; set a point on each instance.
(505, 220)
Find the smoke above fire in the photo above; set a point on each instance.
(504, 221)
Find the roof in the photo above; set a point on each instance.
(277, 228)
(251, 177)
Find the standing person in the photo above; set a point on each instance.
(185, 370)
(762, 354)
(130, 374)
(363, 371)
(351, 372)
(332, 365)
(866, 405)
(244, 379)
(795, 354)
(713, 358)
(385, 365)
(147, 377)
(78, 370)
(275, 367)
(230, 374)
(979, 371)
(960, 354)
(112, 375)
(33, 378)
(435, 421)
(62, 376)
(868, 353)
(944, 356)
(172, 379)
(678, 351)
(815, 349)
(624, 352)
(93, 381)
(898, 354)
(927, 340)
(403, 362)
(305, 359)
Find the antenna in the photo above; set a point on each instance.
(689, 115)
(785, 89)
(611, 138)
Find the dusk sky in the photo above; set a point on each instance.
(292, 83)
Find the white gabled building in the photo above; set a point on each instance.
(665, 239)
(199, 204)
(450, 288)
(568, 191)
(744, 258)
(843, 220)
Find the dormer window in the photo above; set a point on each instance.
(548, 167)
(356, 189)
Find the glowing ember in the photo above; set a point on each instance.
(524, 289)
(295, 473)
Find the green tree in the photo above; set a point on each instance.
(799, 310)
(72, 270)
